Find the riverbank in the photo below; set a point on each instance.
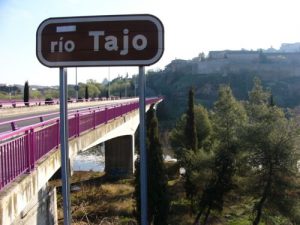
(95, 199)
(98, 200)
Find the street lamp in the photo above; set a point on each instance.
(76, 87)
(108, 82)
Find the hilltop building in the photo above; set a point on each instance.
(285, 61)
(287, 47)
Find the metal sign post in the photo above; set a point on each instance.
(143, 150)
(64, 145)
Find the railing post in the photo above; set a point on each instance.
(27, 141)
(30, 149)
(57, 133)
(77, 124)
(94, 119)
(33, 148)
(105, 115)
(13, 126)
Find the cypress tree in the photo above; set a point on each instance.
(190, 127)
(158, 200)
(26, 94)
(107, 94)
(191, 144)
(86, 92)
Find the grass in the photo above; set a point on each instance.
(99, 200)
(104, 201)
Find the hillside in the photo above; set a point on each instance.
(174, 85)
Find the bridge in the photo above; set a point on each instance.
(30, 156)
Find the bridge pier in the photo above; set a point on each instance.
(119, 156)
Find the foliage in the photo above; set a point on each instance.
(36, 94)
(190, 131)
(26, 94)
(203, 128)
(177, 138)
(228, 119)
(51, 93)
(174, 85)
(193, 160)
(86, 95)
(158, 199)
(123, 86)
(270, 140)
(158, 196)
(94, 88)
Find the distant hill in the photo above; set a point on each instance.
(173, 82)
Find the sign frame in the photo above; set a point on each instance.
(94, 19)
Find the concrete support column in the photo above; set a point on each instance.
(42, 210)
(119, 156)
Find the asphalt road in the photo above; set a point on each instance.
(19, 113)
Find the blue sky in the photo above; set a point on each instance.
(191, 27)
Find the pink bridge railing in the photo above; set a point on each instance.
(21, 149)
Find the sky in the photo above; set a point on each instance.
(191, 27)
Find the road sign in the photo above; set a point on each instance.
(123, 40)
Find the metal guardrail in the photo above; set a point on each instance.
(16, 103)
(22, 148)
(41, 118)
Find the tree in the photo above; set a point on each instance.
(190, 127)
(228, 119)
(191, 144)
(86, 95)
(26, 94)
(158, 200)
(177, 138)
(271, 145)
(35, 94)
(94, 88)
(203, 127)
(203, 130)
(51, 93)
(107, 94)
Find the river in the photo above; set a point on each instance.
(94, 159)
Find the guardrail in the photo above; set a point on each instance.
(21, 149)
(14, 124)
(19, 103)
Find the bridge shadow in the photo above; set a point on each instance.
(97, 181)
(45, 210)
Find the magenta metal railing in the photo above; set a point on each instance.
(40, 118)
(20, 149)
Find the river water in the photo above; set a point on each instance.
(90, 160)
(94, 159)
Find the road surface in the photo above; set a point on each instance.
(20, 113)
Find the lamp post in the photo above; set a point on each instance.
(108, 82)
(76, 84)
